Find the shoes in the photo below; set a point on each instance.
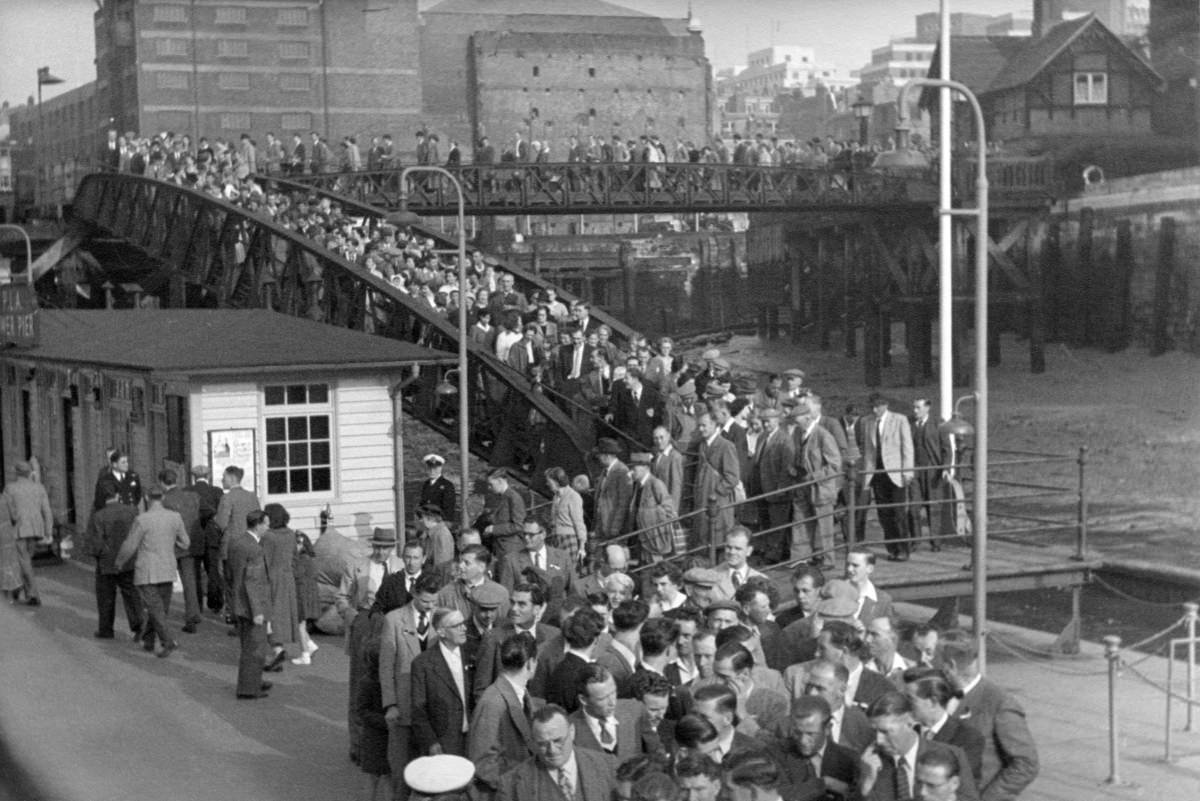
(34, 602)
(103, 635)
(230, 619)
(265, 686)
(313, 650)
(148, 645)
(168, 649)
(190, 627)
(276, 664)
(304, 659)
(251, 696)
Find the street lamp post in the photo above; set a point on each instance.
(28, 250)
(980, 213)
(43, 77)
(406, 217)
(862, 110)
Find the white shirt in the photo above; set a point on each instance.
(852, 683)
(504, 341)
(686, 673)
(375, 573)
(454, 661)
(867, 590)
(956, 702)
(835, 723)
(930, 731)
(594, 725)
(910, 765)
(539, 558)
(667, 606)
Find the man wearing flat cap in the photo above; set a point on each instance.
(652, 510)
(773, 467)
(26, 506)
(699, 583)
(437, 489)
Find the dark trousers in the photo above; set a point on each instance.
(925, 488)
(774, 547)
(356, 634)
(156, 598)
(893, 519)
(253, 640)
(189, 574)
(107, 586)
(216, 581)
(25, 548)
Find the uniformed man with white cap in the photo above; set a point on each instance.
(437, 489)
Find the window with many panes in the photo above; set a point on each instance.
(299, 439)
(1091, 88)
(231, 15)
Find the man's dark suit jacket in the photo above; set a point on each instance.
(775, 646)
(884, 788)
(128, 489)
(857, 732)
(106, 533)
(558, 575)
(1010, 759)
(187, 504)
(630, 730)
(639, 419)
(955, 732)
(560, 686)
(487, 663)
(441, 493)
(500, 737)
(210, 498)
(871, 686)
(837, 762)
(437, 708)
(249, 591)
(529, 781)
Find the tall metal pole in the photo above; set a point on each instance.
(945, 224)
(39, 149)
(464, 383)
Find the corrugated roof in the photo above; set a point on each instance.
(583, 8)
(213, 340)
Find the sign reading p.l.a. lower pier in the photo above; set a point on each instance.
(18, 315)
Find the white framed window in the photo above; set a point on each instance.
(172, 47)
(231, 15)
(233, 48)
(1091, 88)
(171, 80)
(293, 50)
(299, 423)
(170, 13)
(297, 17)
(299, 121)
(236, 121)
(294, 82)
(234, 81)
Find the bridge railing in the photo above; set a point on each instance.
(232, 258)
(1023, 177)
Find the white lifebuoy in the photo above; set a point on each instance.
(1093, 175)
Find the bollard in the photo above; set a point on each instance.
(1190, 610)
(1112, 652)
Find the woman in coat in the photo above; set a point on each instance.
(308, 601)
(279, 548)
(568, 532)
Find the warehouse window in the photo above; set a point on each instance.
(233, 48)
(300, 121)
(236, 81)
(172, 80)
(294, 82)
(293, 50)
(299, 439)
(231, 15)
(171, 47)
(236, 121)
(293, 16)
(170, 13)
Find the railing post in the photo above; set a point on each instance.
(1112, 652)
(1190, 610)
(851, 500)
(1081, 533)
(712, 510)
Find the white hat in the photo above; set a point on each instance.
(433, 458)
(434, 775)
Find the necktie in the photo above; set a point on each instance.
(576, 362)
(902, 791)
(527, 706)
(737, 579)
(422, 625)
(385, 567)
(537, 559)
(607, 741)
(564, 782)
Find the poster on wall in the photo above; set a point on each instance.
(233, 447)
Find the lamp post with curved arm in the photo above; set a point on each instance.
(980, 213)
(406, 217)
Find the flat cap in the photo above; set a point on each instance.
(489, 595)
(702, 576)
(724, 603)
(839, 598)
(710, 354)
(641, 458)
(795, 372)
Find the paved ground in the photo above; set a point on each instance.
(103, 720)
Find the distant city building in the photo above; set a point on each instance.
(7, 179)
(896, 62)
(1126, 18)
(777, 69)
(783, 90)
(52, 148)
(1174, 36)
(929, 25)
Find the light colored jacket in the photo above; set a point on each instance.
(28, 507)
(155, 536)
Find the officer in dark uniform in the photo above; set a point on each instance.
(437, 489)
(118, 480)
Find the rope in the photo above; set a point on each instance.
(1128, 597)
(1152, 637)
(1161, 687)
(1043, 664)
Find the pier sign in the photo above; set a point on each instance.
(18, 315)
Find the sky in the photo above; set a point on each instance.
(58, 33)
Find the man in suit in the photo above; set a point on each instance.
(883, 641)
(717, 476)
(580, 633)
(872, 601)
(668, 466)
(500, 736)
(813, 762)
(552, 567)
(26, 506)
(930, 451)
(602, 721)
(560, 769)
(840, 641)
(1010, 758)
(525, 354)
(441, 690)
(819, 460)
(249, 597)
(640, 409)
(848, 725)
(466, 592)
(718, 704)
(504, 510)
(574, 362)
(157, 534)
(887, 469)
(236, 503)
(507, 298)
(526, 607)
(407, 633)
(735, 571)
(773, 472)
(187, 504)
(620, 656)
(889, 769)
(118, 474)
(762, 709)
(107, 530)
(437, 489)
(210, 498)
(614, 489)
(651, 510)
